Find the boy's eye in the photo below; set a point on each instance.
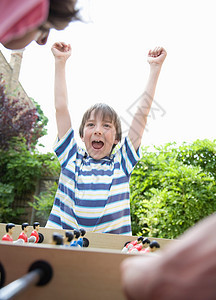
(90, 124)
(107, 125)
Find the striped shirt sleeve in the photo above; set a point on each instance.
(66, 148)
(128, 156)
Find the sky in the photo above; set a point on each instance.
(109, 64)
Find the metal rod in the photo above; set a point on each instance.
(17, 286)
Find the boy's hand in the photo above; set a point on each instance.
(157, 56)
(61, 50)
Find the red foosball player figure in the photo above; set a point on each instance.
(142, 246)
(9, 229)
(125, 248)
(153, 246)
(23, 234)
(130, 245)
(36, 227)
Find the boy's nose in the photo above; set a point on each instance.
(98, 130)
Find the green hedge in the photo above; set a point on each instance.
(172, 188)
(20, 170)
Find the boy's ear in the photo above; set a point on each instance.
(116, 141)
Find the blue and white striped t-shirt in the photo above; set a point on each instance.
(93, 194)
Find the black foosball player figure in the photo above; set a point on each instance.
(83, 241)
(9, 229)
(23, 235)
(76, 236)
(35, 233)
(68, 238)
(41, 237)
(57, 239)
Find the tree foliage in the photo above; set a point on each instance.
(44, 202)
(17, 119)
(20, 165)
(172, 188)
(6, 200)
(39, 128)
(20, 170)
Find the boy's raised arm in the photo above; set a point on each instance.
(156, 58)
(61, 52)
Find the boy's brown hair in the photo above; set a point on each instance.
(106, 111)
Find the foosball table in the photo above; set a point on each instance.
(56, 272)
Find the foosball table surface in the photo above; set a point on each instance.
(86, 273)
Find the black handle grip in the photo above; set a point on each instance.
(40, 273)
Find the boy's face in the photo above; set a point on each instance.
(99, 136)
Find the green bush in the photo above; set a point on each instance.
(19, 167)
(44, 202)
(20, 171)
(6, 200)
(173, 188)
(201, 153)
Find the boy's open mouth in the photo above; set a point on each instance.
(97, 144)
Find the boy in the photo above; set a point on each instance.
(93, 191)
